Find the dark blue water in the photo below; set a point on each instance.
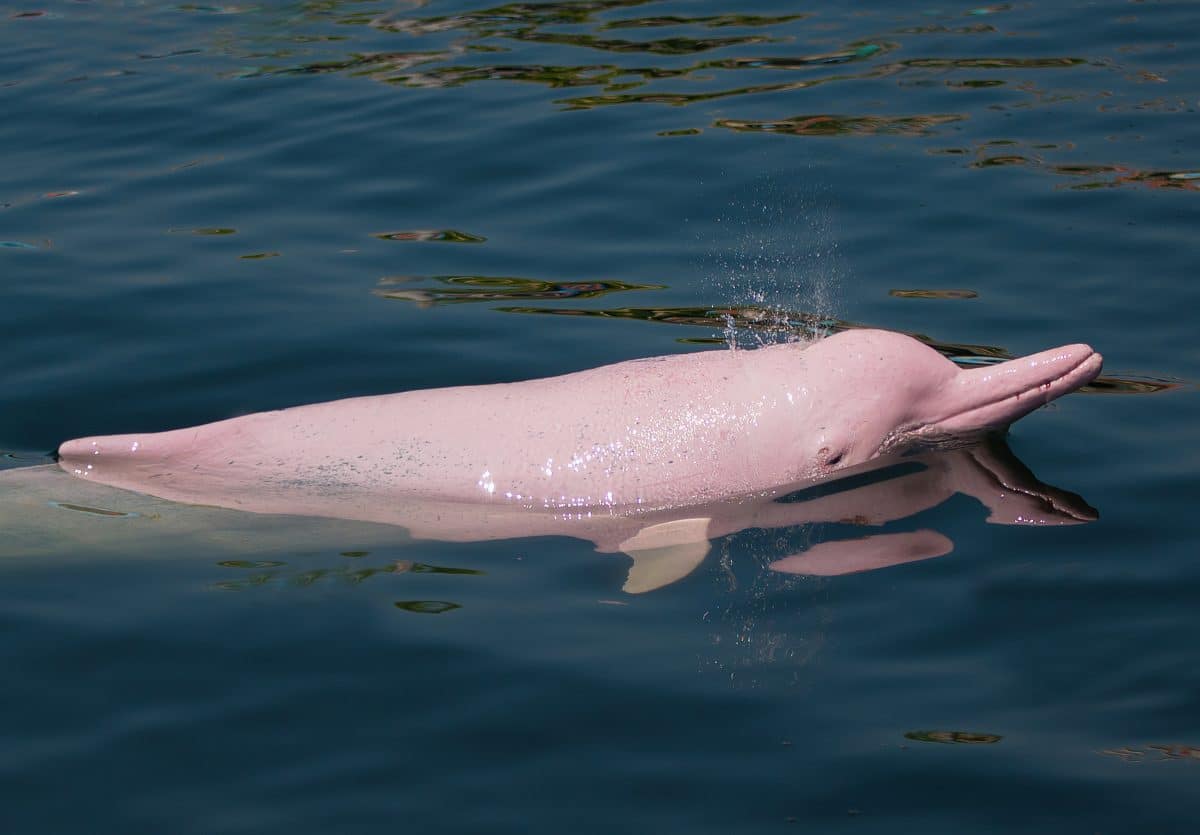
(212, 210)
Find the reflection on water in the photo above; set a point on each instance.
(450, 236)
(933, 294)
(953, 737)
(484, 288)
(427, 607)
(274, 573)
(713, 21)
(936, 69)
(1088, 176)
(665, 46)
(1154, 753)
(97, 511)
(829, 125)
(206, 230)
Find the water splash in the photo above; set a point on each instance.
(777, 252)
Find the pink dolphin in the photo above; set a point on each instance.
(635, 437)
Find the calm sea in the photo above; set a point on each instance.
(213, 210)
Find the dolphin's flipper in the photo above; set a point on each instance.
(658, 567)
(665, 553)
(848, 556)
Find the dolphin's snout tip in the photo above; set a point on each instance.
(1088, 364)
(1067, 368)
(1058, 370)
(1076, 354)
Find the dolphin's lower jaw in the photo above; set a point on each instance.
(991, 398)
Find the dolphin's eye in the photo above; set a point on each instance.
(830, 460)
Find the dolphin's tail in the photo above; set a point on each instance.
(82, 456)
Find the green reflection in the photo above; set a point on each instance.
(94, 511)
(977, 83)
(953, 737)
(541, 24)
(1182, 180)
(251, 564)
(830, 125)
(425, 568)
(587, 75)
(664, 46)
(997, 161)
(482, 288)
(1084, 170)
(451, 236)
(352, 574)
(368, 64)
(991, 63)
(933, 294)
(556, 44)
(940, 29)
(584, 102)
(856, 52)
(427, 607)
(1100, 175)
(712, 22)
(206, 230)
(507, 19)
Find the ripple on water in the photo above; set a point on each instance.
(451, 289)
(449, 236)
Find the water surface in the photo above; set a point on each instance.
(212, 210)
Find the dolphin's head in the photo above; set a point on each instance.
(880, 392)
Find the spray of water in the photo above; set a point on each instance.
(776, 262)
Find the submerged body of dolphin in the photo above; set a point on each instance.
(45, 512)
(647, 434)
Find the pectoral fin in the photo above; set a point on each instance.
(830, 559)
(665, 553)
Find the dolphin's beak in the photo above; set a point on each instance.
(996, 395)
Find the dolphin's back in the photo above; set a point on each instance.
(637, 432)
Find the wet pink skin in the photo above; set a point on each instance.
(652, 434)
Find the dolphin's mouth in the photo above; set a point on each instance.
(992, 397)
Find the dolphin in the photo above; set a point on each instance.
(647, 434)
(644, 457)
